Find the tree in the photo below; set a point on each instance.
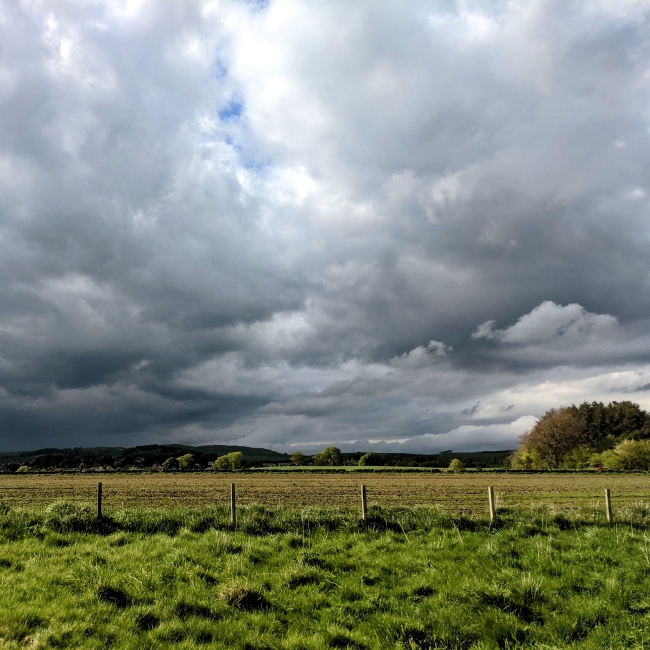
(329, 456)
(170, 465)
(456, 466)
(579, 457)
(186, 461)
(298, 458)
(553, 436)
(629, 454)
(525, 459)
(23, 469)
(369, 459)
(230, 462)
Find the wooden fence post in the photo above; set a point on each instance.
(364, 503)
(99, 500)
(233, 509)
(608, 506)
(493, 510)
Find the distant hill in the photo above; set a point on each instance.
(141, 455)
(147, 455)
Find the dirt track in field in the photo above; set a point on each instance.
(457, 493)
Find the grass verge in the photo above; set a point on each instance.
(292, 579)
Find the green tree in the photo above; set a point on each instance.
(577, 458)
(609, 459)
(186, 461)
(170, 465)
(23, 469)
(525, 459)
(628, 454)
(604, 426)
(369, 459)
(456, 466)
(553, 436)
(330, 456)
(230, 462)
(298, 458)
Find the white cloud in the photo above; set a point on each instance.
(549, 322)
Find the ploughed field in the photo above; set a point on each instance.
(462, 494)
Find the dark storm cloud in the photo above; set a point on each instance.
(408, 225)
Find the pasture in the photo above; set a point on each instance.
(301, 571)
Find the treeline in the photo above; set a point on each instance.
(616, 436)
(141, 457)
(332, 456)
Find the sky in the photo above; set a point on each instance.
(402, 226)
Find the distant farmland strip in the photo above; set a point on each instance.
(461, 493)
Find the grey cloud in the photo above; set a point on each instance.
(280, 223)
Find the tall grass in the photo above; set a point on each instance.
(291, 579)
(75, 516)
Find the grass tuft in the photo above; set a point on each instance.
(242, 596)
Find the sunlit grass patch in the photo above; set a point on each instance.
(405, 579)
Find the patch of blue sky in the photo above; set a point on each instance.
(256, 166)
(232, 111)
(257, 5)
(232, 144)
(219, 69)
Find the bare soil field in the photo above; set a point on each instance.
(455, 493)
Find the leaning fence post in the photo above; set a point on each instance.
(493, 510)
(364, 503)
(99, 500)
(233, 509)
(608, 506)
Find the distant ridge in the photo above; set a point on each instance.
(145, 455)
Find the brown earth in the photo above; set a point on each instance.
(456, 493)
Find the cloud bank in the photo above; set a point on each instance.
(409, 225)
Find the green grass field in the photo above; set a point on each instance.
(164, 568)
(307, 578)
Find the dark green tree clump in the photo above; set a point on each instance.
(171, 464)
(615, 436)
(229, 462)
(329, 456)
(370, 459)
(298, 458)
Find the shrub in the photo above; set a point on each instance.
(330, 456)
(185, 462)
(23, 469)
(578, 458)
(229, 462)
(371, 458)
(456, 466)
(629, 454)
(170, 465)
(525, 459)
(298, 458)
